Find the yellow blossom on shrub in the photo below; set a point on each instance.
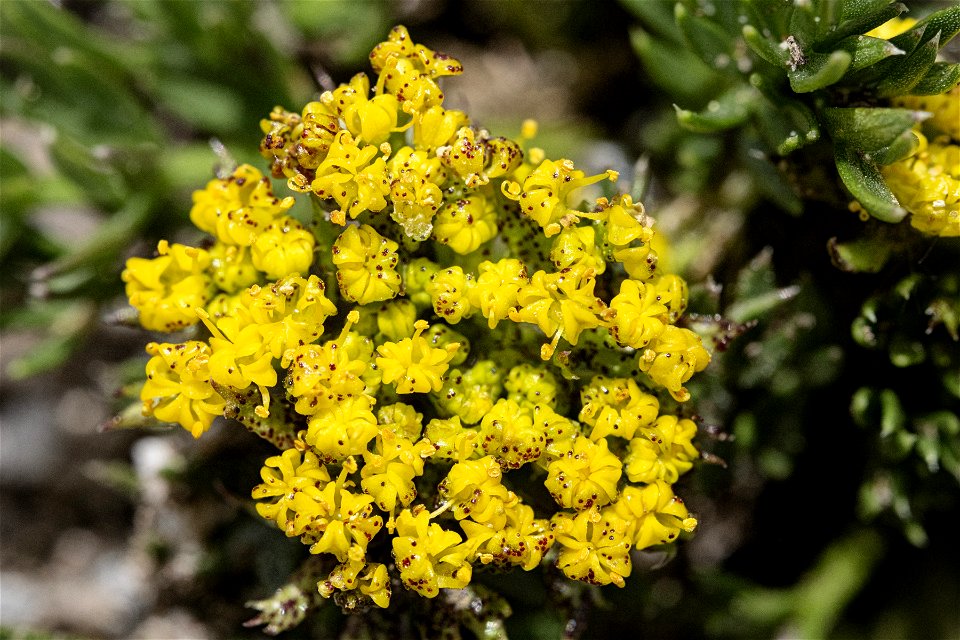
(167, 289)
(927, 185)
(657, 516)
(178, 387)
(413, 364)
(429, 557)
(483, 319)
(595, 546)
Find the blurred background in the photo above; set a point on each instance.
(833, 457)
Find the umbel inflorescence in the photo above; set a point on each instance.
(462, 368)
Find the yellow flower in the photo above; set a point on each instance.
(343, 429)
(623, 220)
(342, 522)
(369, 119)
(544, 193)
(395, 319)
(561, 304)
(238, 208)
(616, 406)
(167, 289)
(321, 377)
(575, 247)
(452, 440)
(288, 312)
(450, 291)
(178, 387)
(423, 163)
(231, 267)
(595, 546)
(296, 144)
(673, 358)
(522, 542)
(429, 557)
(640, 262)
(927, 185)
(350, 176)
(389, 469)
(532, 384)
(285, 247)
(416, 276)
(415, 203)
(435, 127)
(371, 580)
(366, 265)
(672, 292)
(224, 304)
(474, 489)
(585, 477)
(439, 335)
(657, 516)
(511, 432)
(470, 394)
(466, 156)
(409, 69)
(497, 287)
(402, 419)
(664, 451)
(503, 157)
(375, 584)
(944, 110)
(561, 434)
(467, 223)
(284, 476)
(640, 315)
(412, 364)
(400, 45)
(241, 356)
(415, 90)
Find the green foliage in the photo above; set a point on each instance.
(832, 443)
(109, 128)
(790, 70)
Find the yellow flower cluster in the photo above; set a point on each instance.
(462, 276)
(927, 184)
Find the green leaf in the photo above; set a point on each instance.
(764, 47)
(803, 26)
(656, 16)
(48, 25)
(940, 78)
(730, 109)
(907, 73)
(863, 180)
(102, 183)
(864, 255)
(106, 242)
(784, 124)
(892, 416)
(674, 68)
(867, 129)
(767, 179)
(704, 37)
(204, 105)
(804, 126)
(819, 71)
(768, 16)
(860, 16)
(905, 144)
(944, 24)
(867, 51)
